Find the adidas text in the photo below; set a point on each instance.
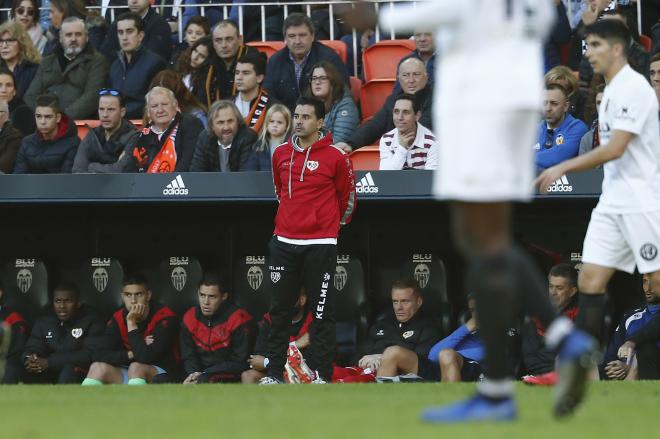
(561, 185)
(366, 185)
(176, 187)
(366, 190)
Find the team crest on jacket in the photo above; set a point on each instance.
(560, 139)
(408, 334)
(312, 165)
(275, 276)
(77, 332)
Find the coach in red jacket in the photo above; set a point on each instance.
(315, 187)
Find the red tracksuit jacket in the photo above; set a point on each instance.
(315, 188)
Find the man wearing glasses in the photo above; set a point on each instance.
(139, 345)
(103, 150)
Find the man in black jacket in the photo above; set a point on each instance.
(216, 336)
(135, 66)
(10, 140)
(289, 68)
(225, 146)
(413, 79)
(59, 350)
(139, 344)
(400, 341)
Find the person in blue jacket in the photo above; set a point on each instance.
(460, 353)
(559, 132)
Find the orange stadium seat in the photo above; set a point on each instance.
(356, 85)
(381, 59)
(646, 42)
(366, 158)
(267, 47)
(373, 94)
(83, 125)
(338, 46)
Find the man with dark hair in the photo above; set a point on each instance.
(624, 230)
(74, 72)
(216, 335)
(157, 33)
(228, 48)
(139, 345)
(10, 140)
(226, 144)
(103, 148)
(252, 99)
(654, 74)
(399, 342)
(59, 350)
(407, 146)
(289, 69)
(538, 360)
(135, 66)
(13, 334)
(52, 148)
(559, 132)
(315, 187)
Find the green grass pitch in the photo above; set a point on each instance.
(626, 410)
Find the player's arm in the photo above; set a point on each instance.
(617, 145)
(345, 189)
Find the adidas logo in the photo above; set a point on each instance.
(561, 185)
(366, 185)
(176, 187)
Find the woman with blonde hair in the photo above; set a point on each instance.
(567, 79)
(274, 132)
(18, 55)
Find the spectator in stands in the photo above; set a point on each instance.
(460, 353)
(289, 69)
(588, 15)
(537, 359)
(413, 80)
(577, 97)
(228, 48)
(252, 99)
(13, 334)
(216, 335)
(327, 85)
(139, 344)
(225, 146)
(400, 341)
(654, 73)
(591, 139)
(196, 29)
(425, 50)
(189, 105)
(167, 143)
(192, 65)
(10, 140)
(299, 335)
(52, 148)
(135, 64)
(18, 55)
(273, 18)
(274, 132)
(61, 10)
(74, 73)
(638, 57)
(644, 365)
(560, 35)
(26, 13)
(408, 144)
(106, 148)
(59, 350)
(21, 116)
(157, 34)
(559, 132)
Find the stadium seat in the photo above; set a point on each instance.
(366, 158)
(100, 282)
(178, 281)
(26, 287)
(647, 42)
(252, 286)
(380, 60)
(338, 46)
(356, 85)
(84, 125)
(373, 95)
(267, 47)
(350, 308)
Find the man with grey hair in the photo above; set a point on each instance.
(226, 145)
(10, 140)
(74, 72)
